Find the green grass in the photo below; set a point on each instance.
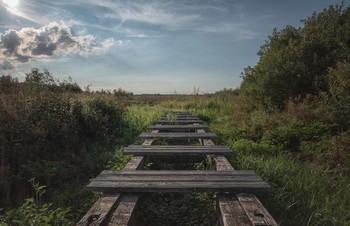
(299, 152)
(274, 145)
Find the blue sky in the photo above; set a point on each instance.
(150, 46)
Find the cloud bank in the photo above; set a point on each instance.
(52, 40)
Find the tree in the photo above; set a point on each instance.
(294, 62)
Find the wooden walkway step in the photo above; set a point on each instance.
(176, 113)
(187, 117)
(179, 121)
(177, 150)
(178, 127)
(179, 181)
(235, 206)
(178, 135)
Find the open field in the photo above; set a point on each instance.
(297, 151)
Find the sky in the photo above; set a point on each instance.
(149, 46)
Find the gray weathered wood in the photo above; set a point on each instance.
(178, 173)
(172, 127)
(180, 122)
(174, 186)
(244, 209)
(204, 142)
(176, 113)
(230, 210)
(256, 212)
(180, 117)
(177, 150)
(179, 181)
(179, 135)
(124, 214)
(99, 212)
(222, 164)
(104, 207)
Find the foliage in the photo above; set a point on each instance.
(289, 122)
(294, 61)
(339, 96)
(119, 160)
(33, 212)
(53, 133)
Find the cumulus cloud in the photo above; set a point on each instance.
(52, 40)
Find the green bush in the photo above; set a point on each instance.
(290, 135)
(33, 214)
(100, 119)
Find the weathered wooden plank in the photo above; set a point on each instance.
(230, 210)
(149, 142)
(179, 181)
(174, 186)
(177, 147)
(188, 173)
(178, 122)
(103, 208)
(99, 212)
(136, 162)
(245, 209)
(175, 178)
(178, 135)
(256, 212)
(176, 113)
(177, 152)
(162, 150)
(222, 164)
(124, 214)
(180, 117)
(172, 127)
(205, 142)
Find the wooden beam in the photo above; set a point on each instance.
(241, 209)
(174, 150)
(99, 212)
(178, 135)
(172, 127)
(124, 214)
(176, 113)
(230, 211)
(112, 205)
(179, 122)
(187, 117)
(179, 181)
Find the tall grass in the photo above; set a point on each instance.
(310, 187)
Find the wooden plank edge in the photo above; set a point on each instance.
(231, 212)
(108, 203)
(255, 210)
(99, 212)
(252, 207)
(124, 214)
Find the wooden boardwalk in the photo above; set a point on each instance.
(122, 189)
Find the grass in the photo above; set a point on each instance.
(304, 193)
(300, 152)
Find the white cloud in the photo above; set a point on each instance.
(52, 40)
